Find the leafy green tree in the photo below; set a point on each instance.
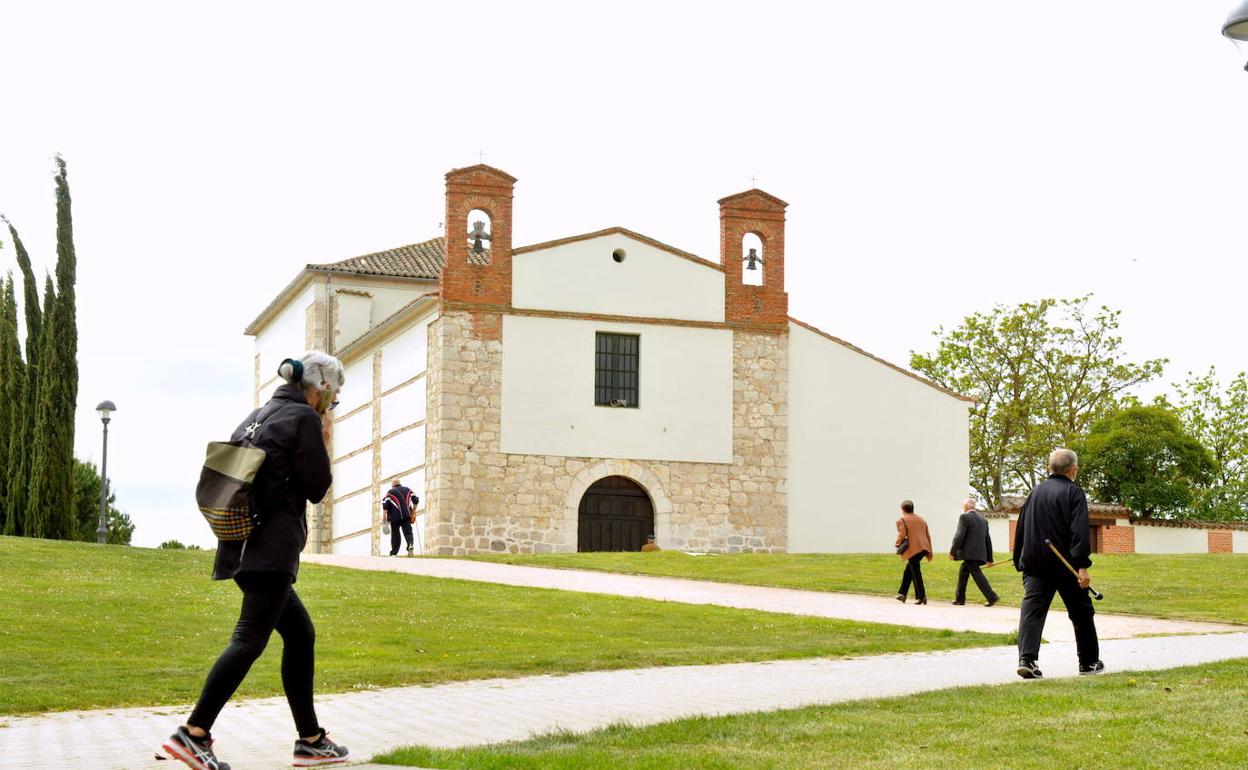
(1218, 417)
(87, 501)
(1142, 457)
(21, 441)
(51, 476)
(177, 545)
(1041, 373)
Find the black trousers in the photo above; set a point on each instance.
(406, 525)
(1038, 590)
(914, 573)
(269, 603)
(971, 569)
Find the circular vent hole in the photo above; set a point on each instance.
(618, 255)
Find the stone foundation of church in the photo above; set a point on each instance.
(481, 500)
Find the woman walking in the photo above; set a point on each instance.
(291, 430)
(912, 533)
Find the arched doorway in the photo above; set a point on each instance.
(615, 515)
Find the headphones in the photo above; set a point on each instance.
(291, 370)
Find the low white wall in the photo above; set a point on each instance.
(999, 531)
(1170, 540)
(1239, 541)
(862, 438)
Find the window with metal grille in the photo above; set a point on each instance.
(615, 363)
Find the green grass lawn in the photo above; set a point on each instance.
(88, 626)
(1188, 717)
(1190, 586)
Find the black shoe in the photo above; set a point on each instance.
(958, 604)
(322, 751)
(193, 752)
(993, 601)
(1096, 668)
(1028, 669)
(411, 552)
(901, 598)
(921, 601)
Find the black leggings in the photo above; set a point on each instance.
(269, 602)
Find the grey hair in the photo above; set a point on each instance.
(318, 368)
(1063, 461)
(969, 502)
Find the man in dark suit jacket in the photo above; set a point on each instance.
(1057, 511)
(972, 543)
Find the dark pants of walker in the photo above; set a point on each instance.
(971, 569)
(394, 535)
(1038, 590)
(914, 572)
(269, 603)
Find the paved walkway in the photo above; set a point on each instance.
(870, 609)
(256, 734)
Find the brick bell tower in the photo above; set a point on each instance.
(762, 215)
(478, 259)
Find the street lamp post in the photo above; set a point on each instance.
(106, 409)
(1236, 26)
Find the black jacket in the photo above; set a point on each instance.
(972, 541)
(1056, 510)
(296, 469)
(400, 511)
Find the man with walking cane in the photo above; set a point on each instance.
(1052, 531)
(972, 544)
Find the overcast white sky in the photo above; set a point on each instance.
(937, 157)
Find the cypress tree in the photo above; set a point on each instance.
(51, 502)
(5, 404)
(14, 392)
(21, 441)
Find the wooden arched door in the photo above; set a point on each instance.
(615, 515)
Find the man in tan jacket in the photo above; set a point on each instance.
(917, 541)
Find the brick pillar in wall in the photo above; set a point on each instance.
(1220, 541)
(1116, 538)
(761, 214)
(1013, 526)
(482, 279)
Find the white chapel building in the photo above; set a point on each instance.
(585, 393)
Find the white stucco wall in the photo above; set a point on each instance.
(354, 432)
(1239, 541)
(582, 277)
(1170, 540)
(360, 545)
(354, 317)
(685, 392)
(862, 438)
(352, 515)
(999, 531)
(404, 357)
(285, 336)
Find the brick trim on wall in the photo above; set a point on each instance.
(1221, 541)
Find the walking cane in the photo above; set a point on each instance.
(1095, 593)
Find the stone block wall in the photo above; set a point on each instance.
(481, 500)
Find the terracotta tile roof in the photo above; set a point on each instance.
(1013, 504)
(1188, 523)
(415, 260)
